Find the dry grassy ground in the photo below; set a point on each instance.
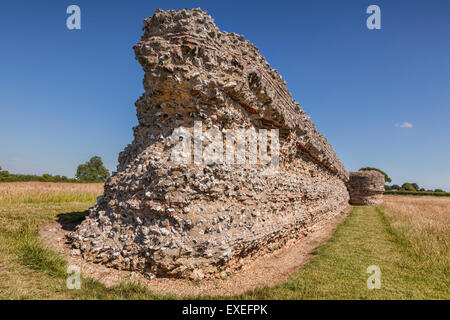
(46, 192)
(423, 223)
(407, 237)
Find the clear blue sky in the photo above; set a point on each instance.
(68, 95)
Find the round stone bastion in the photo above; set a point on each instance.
(366, 187)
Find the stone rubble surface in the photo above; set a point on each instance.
(166, 219)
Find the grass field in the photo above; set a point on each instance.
(418, 193)
(407, 237)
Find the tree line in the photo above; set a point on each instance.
(91, 171)
(407, 186)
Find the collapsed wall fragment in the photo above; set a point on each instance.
(193, 219)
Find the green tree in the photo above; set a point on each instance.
(438, 190)
(387, 187)
(386, 177)
(92, 171)
(415, 186)
(408, 187)
(3, 174)
(47, 177)
(395, 187)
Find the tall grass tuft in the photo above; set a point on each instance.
(30, 252)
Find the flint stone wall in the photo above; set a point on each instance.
(173, 220)
(366, 187)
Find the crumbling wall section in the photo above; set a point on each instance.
(192, 220)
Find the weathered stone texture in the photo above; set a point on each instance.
(168, 219)
(366, 187)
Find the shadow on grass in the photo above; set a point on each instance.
(70, 220)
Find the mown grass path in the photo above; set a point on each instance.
(339, 270)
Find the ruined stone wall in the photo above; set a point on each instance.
(366, 187)
(186, 220)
